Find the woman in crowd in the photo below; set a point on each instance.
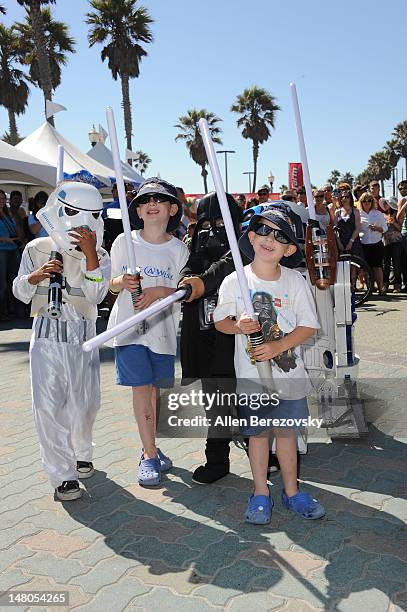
(321, 211)
(346, 219)
(9, 253)
(35, 226)
(373, 226)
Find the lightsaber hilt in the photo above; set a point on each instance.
(180, 295)
(142, 327)
(55, 289)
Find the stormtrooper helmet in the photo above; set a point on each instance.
(72, 204)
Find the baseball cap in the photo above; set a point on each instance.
(283, 222)
(264, 188)
(151, 186)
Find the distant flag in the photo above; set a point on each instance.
(131, 155)
(103, 134)
(51, 108)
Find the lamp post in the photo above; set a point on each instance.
(250, 180)
(94, 136)
(271, 181)
(226, 166)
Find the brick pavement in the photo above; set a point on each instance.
(126, 548)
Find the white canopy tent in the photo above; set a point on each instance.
(18, 169)
(104, 155)
(43, 143)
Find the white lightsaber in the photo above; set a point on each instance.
(263, 367)
(131, 257)
(55, 282)
(120, 189)
(303, 152)
(135, 319)
(60, 164)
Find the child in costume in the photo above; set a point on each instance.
(65, 381)
(145, 356)
(287, 317)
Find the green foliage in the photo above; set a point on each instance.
(58, 44)
(123, 27)
(257, 109)
(142, 162)
(190, 134)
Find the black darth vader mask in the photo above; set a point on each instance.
(210, 239)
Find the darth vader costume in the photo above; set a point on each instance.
(207, 354)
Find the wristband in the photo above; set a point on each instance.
(352, 240)
(95, 279)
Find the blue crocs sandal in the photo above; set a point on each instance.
(304, 505)
(259, 509)
(165, 462)
(149, 473)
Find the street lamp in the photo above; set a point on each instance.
(271, 180)
(250, 180)
(94, 136)
(226, 166)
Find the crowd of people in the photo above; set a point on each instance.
(367, 225)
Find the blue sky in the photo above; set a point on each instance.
(347, 59)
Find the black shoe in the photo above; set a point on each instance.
(210, 472)
(85, 469)
(68, 490)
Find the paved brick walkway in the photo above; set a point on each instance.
(186, 547)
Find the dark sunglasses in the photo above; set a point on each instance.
(158, 198)
(265, 230)
(262, 193)
(288, 199)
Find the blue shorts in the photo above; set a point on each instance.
(137, 366)
(285, 412)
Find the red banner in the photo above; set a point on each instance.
(295, 176)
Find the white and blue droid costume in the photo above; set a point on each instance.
(65, 380)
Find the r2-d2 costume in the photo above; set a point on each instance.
(65, 380)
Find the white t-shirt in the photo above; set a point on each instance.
(160, 266)
(373, 217)
(282, 305)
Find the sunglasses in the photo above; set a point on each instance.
(158, 198)
(262, 193)
(265, 230)
(288, 199)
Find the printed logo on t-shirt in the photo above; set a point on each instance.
(154, 271)
(267, 314)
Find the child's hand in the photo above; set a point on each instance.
(247, 325)
(128, 281)
(267, 351)
(85, 239)
(149, 295)
(53, 266)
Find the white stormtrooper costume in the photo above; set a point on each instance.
(65, 380)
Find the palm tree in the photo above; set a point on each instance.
(334, 177)
(122, 26)
(283, 188)
(189, 131)
(379, 163)
(400, 134)
(391, 148)
(2, 9)
(14, 90)
(365, 177)
(58, 44)
(39, 39)
(257, 109)
(142, 162)
(347, 177)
